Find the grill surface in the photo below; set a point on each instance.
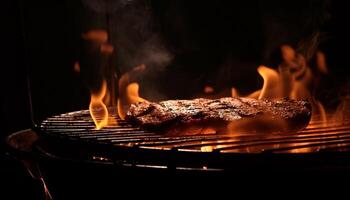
(79, 126)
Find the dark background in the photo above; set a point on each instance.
(41, 43)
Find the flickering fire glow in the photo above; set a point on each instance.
(293, 79)
(98, 109)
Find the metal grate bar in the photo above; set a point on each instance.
(242, 140)
(316, 137)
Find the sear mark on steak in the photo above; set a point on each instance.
(224, 115)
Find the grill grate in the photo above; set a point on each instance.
(315, 138)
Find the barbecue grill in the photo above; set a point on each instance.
(108, 44)
(66, 149)
(73, 135)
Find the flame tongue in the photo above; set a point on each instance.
(96, 35)
(98, 42)
(294, 79)
(129, 90)
(98, 109)
(131, 96)
(271, 88)
(133, 93)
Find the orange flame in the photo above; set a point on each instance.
(342, 112)
(321, 113)
(271, 88)
(76, 67)
(208, 89)
(129, 90)
(131, 96)
(234, 92)
(120, 109)
(106, 48)
(254, 95)
(96, 35)
(321, 62)
(104, 97)
(294, 80)
(132, 93)
(98, 109)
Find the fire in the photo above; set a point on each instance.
(131, 96)
(105, 96)
(293, 79)
(342, 112)
(208, 89)
(132, 91)
(96, 35)
(76, 67)
(98, 109)
(321, 113)
(128, 94)
(129, 90)
(321, 62)
(207, 148)
(264, 124)
(234, 92)
(106, 48)
(271, 88)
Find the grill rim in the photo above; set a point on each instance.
(223, 163)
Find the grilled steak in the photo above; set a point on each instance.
(225, 115)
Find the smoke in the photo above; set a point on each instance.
(131, 30)
(209, 39)
(134, 36)
(299, 24)
(137, 40)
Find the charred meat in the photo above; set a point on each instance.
(228, 114)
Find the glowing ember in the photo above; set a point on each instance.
(208, 89)
(76, 67)
(234, 92)
(321, 62)
(207, 148)
(96, 35)
(107, 48)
